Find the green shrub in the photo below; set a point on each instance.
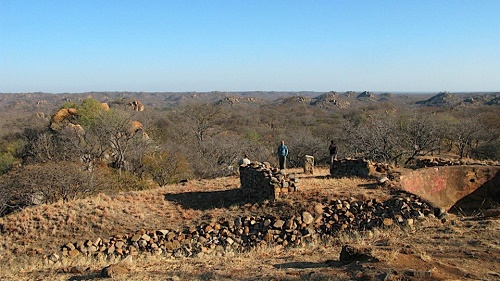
(165, 167)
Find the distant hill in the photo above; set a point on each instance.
(19, 109)
(332, 99)
(446, 99)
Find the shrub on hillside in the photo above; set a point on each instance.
(165, 167)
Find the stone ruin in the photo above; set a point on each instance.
(231, 235)
(309, 165)
(238, 234)
(262, 182)
(358, 168)
(439, 161)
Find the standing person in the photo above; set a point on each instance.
(333, 151)
(282, 154)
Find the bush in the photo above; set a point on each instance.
(6, 162)
(487, 151)
(165, 167)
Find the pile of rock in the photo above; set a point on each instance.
(244, 233)
(352, 215)
(262, 182)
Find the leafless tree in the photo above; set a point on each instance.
(201, 117)
(47, 183)
(466, 133)
(117, 133)
(422, 135)
(301, 142)
(380, 138)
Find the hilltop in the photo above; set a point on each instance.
(406, 252)
(88, 179)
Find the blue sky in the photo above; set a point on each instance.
(173, 46)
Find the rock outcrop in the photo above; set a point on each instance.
(136, 105)
(62, 117)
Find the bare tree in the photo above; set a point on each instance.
(380, 138)
(466, 133)
(49, 182)
(301, 142)
(202, 118)
(422, 136)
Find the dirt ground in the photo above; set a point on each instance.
(451, 248)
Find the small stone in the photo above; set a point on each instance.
(319, 208)
(279, 224)
(73, 253)
(136, 237)
(54, 257)
(70, 246)
(113, 271)
(146, 237)
(119, 244)
(307, 218)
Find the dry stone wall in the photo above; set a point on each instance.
(245, 233)
(262, 182)
(357, 168)
(439, 161)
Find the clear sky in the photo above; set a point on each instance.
(230, 45)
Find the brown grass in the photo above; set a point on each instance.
(451, 250)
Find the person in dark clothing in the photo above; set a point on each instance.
(282, 154)
(333, 151)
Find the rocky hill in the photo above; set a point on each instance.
(450, 100)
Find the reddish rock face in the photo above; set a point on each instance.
(444, 186)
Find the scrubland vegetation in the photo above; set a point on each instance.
(71, 146)
(73, 168)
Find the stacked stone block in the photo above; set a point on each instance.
(308, 165)
(350, 168)
(262, 182)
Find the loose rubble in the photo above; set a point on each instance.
(244, 233)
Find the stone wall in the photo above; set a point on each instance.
(245, 233)
(262, 182)
(357, 168)
(439, 161)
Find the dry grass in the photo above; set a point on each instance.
(451, 250)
